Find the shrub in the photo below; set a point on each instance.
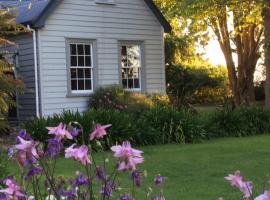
(123, 128)
(164, 124)
(115, 97)
(242, 121)
(3, 164)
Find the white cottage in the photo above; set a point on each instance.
(76, 46)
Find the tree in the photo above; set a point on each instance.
(8, 83)
(238, 28)
(266, 16)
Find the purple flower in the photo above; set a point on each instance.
(34, 171)
(100, 173)
(81, 179)
(136, 177)
(75, 132)
(70, 194)
(54, 147)
(24, 135)
(126, 197)
(159, 179)
(264, 196)
(13, 190)
(108, 190)
(160, 197)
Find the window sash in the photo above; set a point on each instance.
(85, 79)
(128, 68)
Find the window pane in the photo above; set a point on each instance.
(130, 73)
(87, 73)
(124, 73)
(124, 56)
(134, 56)
(80, 49)
(136, 83)
(88, 84)
(80, 84)
(88, 61)
(130, 83)
(81, 61)
(73, 49)
(135, 72)
(87, 49)
(124, 82)
(73, 84)
(73, 60)
(80, 73)
(73, 73)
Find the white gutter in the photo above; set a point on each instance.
(36, 69)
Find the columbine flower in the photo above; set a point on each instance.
(54, 147)
(80, 154)
(26, 151)
(24, 135)
(13, 191)
(136, 177)
(160, 197)
(99, 131)
(235, 179)
(245, 187)
(108, 190)
(75, 132)
(128, 157)
(34, 171)
(81, 179)
(126, 197)
(70, 194)
(159, 179)
(100, 173)
(60, 131)
(264, 196)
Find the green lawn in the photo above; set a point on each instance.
(196, 171)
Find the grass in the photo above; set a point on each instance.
(195, 172)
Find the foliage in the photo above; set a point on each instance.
(8, 83)
(196, 84)
(115, 97)
(242, 121)
(122, 130)
(3, 164)
(165, 125)
(95, 180)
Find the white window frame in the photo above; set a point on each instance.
(78, 42)
(121, 44)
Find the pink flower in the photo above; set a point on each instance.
(235, 179)
(26, 150)
(13, 190)
(245, 187)
(80, 154)
(128, 157)
(264, 196)
(99, 131)
(60, 131)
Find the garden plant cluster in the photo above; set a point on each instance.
(37, 162)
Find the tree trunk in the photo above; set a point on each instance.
(266, 15)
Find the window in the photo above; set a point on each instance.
(81, 67)
(131, 66)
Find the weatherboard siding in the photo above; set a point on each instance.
(25, 70)
(130, 20)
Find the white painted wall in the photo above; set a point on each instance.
(107, 24)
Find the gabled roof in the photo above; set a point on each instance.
(41, 10)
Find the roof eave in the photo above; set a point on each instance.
(163, 21)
